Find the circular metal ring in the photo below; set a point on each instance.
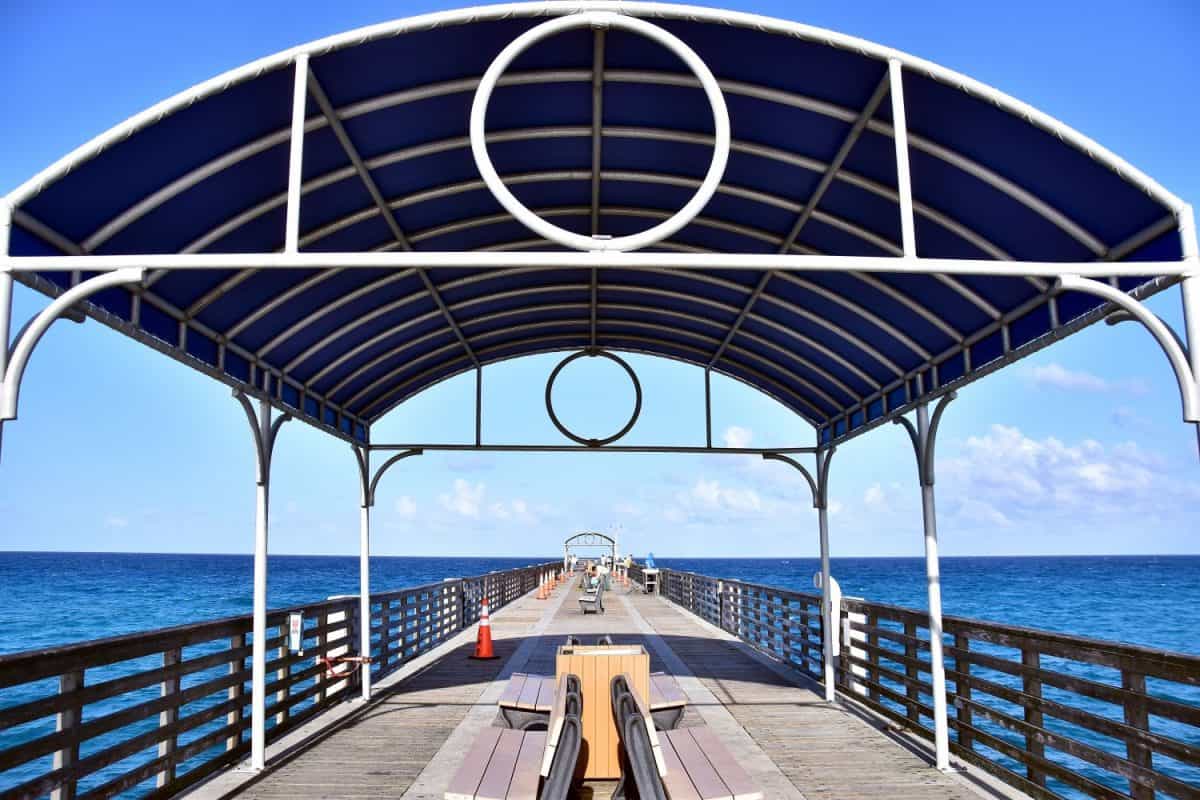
(601, 20)
(567, 432)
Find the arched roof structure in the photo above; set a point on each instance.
(798, 277)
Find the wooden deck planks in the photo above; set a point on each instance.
(827, 752)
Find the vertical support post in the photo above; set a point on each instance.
(903, 177)
(937, 666)
(364, 596)
(296, 155)
(236, 666)
(1032, 686)
(168, 717)
(827, 620)
(1137, 716)
(708, 407)
(283, 654)
(962, 665)
(873, 654)
(67, 721)
(478, 406)
(1189, 289)
(911, 690)
(258, 655)
(264, 433)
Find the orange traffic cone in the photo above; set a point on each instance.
(541, 595)
(483, 640)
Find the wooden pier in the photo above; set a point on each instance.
(410, 739)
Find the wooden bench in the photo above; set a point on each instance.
(506, 764)
(593, 600)
(528, 699)
(681, 764)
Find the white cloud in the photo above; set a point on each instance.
(1056, 376)
(628, 509)
(1005, 476)
(874, 497)
(406, 507)
(466, 499)
(116, 522)
(736, 436)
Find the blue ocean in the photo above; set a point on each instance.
(69, 597)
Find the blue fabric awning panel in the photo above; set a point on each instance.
(344, 347)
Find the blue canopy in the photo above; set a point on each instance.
(209, 172)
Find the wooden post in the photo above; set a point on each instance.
(873, 654)
(1033, 716)
(68, 720)
(322, 642)
(1137, 716)
(962, 665)
(912, 690)
(236, 666)
(282, 675)
(169, 716)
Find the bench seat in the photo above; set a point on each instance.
(501, 765)
(699, 767)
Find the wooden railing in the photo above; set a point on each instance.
(151, 714)
(1056, 716)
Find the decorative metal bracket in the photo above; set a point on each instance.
(368, 483)
(924, 436)
(1175, 349)
(637, 393)
(264, 431)
(818, 485)
(14, 360)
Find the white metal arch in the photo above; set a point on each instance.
(367, 390)
(462, 364)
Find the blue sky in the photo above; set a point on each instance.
(1079, 449)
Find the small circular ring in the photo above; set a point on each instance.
(548, 230)
(637, 393)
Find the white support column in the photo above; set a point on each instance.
(827, 611)
(903, 179)
(296, 155)
(258, 656)
(264, 431)
(364, 595)
(933, 580)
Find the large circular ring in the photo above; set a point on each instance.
(600, 19)
(567, 432)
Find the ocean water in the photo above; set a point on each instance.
(1147, 600)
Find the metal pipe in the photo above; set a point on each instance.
(937, 667)
(612, 448)
(908, 234)
(602, 260)
(296, 155)
(827, 618)
(258, 656)
(364, 596)
(1189, 290)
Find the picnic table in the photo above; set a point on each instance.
(528, 700)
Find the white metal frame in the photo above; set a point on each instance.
(600, 20)
(597, 254)
(368, 485)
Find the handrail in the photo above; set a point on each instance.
(1054, 714)
(156, 712)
